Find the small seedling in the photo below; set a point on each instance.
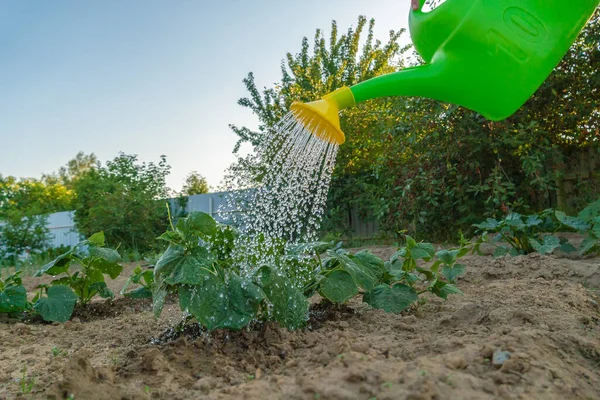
(26, 383)
(449, 380)
(387, 385)
(250, 377)
(56, 351)
(114, 359)
(147, 389)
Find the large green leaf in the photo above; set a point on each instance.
(105, 253)
(139, 293)
(448, 257)
(500, 251)
(370, 262)
(97, 239)
(391, 299)
(443, 289)
(167, 261)
(572, 222)
(218, 305)
(176, 266)
(588, 245)
(110, 268)
(58, 305)
(102, 289)
(57, 266)
(338, 287)
(423, 251)
(514, 220)
(159, 294)
(13, 299)
(451, 273)
(590, 212)
(533, 220)
(197, 223)
(362, 274)
(548, 245)
(289, 306)
(489, 224)
(176, 237)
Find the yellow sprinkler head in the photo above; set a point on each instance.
(321, 116)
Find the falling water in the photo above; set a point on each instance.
(290, 201)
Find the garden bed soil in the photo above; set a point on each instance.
(527, 327)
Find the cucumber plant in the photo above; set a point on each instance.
(198, 266)
(91, 261)
(393, 285)
(523, 234)
(13, 296)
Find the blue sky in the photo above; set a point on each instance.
(148, 77)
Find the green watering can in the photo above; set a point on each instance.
(487, 55)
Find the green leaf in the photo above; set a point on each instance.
(148, 277)
(159, 295)
(567, 248)
(338, 287)
(514, 220)
(65, 280)
(500, 251)
(13, 299)
(391, 299)
(588, 245)
(176, 266)
(104, 253)
(549, 243)
(590, 212)
(423, 251)
(362, 274)
(97, 239)
(216, 305)
(370, 262)
(443, 289)
(197, 223)
(176, 237)
(572, 222)
(410, 242)
(112, 269)
(451, 273)
(58, 305)
(139, 293)
(57, 266)
(448, 257)
(489, 224)
(533, 220)
(102, 289)
(289, 306)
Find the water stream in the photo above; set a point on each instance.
(295, 168)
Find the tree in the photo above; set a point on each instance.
(21, 233)
(24, 205)
(125, 199)
(194, 184)
(72, 170)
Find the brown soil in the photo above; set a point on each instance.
(542, 310)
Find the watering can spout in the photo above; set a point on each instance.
(321, 116)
